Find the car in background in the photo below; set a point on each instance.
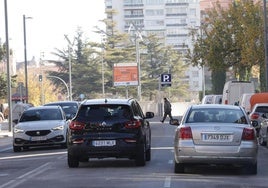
(69, 107)
(18, 109)
(258, 114)
(40, 126)
(215, 135)
(263, 133)
(105, 128)
(212, 99)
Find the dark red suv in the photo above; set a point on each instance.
(105, 128)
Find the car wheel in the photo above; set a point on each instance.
(178, 167)
(261, 139)
(141, 155)
(16, 148)
(73, 161)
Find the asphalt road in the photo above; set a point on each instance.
(47, 167)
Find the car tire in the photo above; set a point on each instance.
(73, 161)
(141, 155)
(250, 169)
(16, 148)
(178, 167)
(261, 139)
(148, 154)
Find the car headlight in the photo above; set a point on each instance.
(60, 127)
(18, 130)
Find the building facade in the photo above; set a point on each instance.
(169, 19)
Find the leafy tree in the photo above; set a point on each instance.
(161, 59)
(231, 41)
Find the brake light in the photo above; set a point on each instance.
(185, 133)
(254, 116)
(76, 125)
(133, 124)
(248, 134)
(226, 102)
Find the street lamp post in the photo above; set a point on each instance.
(25, 57)
(265, 42)
(70, 67)
(8, 70)
(102, 64)
(68, 93)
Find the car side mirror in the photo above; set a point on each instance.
(15, 121)
(175, 122)
(149, 115)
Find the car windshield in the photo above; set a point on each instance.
(104, 112)
(41, 115)
(216, 115)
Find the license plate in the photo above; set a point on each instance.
(38, 138)
(99, 143)
(217, 137)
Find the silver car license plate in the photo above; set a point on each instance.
(217, 137)
(99, 143)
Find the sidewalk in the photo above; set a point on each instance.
(4, 130)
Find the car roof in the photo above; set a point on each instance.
(61, 102)
(220, 106)
(261, 104)
(43, 107)
(107, 101)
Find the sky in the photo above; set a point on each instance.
(46, 24)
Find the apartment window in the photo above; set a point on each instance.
(193, 11)
(195, 84)
(127, 2)
(154, 2)
(155, 23)
(133, 12)
(154, 12)
(195, 74)
(180, 10)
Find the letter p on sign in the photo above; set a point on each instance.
(165, 79)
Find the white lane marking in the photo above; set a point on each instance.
(33, 155)
(167, 182)
(19, 180)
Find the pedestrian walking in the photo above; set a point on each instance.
(167, 110)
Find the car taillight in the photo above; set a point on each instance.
(76, 125)
(254, 116)
(185, 133)
(248, 134)
(133, 124)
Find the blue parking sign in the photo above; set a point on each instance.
(165, 79)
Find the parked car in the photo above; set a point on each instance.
(258, 114)
(109, 128)
(213, 135)
(263, 133)
(69, 107)
(40, 126)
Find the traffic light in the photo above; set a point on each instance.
(40, 77)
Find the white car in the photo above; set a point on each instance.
(40, 126)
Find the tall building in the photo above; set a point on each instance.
(169, 19)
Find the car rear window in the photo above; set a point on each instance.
(104, 112)
(262, 109)
(216, 115)
(40, 115)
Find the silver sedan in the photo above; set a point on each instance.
(215, 134)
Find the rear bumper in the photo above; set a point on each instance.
(120, 150)
(245, 153)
